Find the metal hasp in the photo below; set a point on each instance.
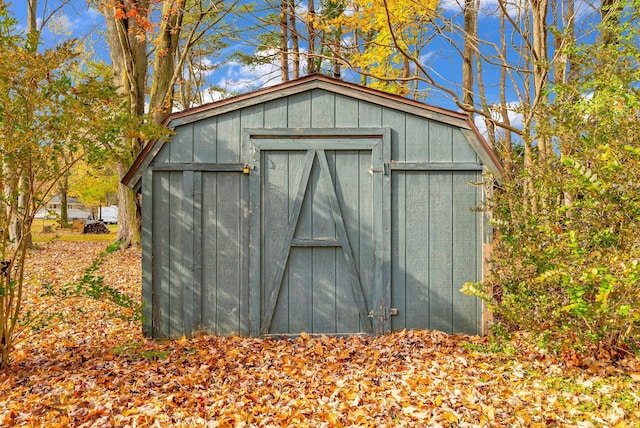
(380, 316)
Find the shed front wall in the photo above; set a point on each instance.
(196, 211)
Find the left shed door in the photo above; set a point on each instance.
(321, 234)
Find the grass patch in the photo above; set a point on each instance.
(135, 350)
(43, 231)
(491, 347)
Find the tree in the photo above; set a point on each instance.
(284, 34)
(130, 34)
(542, 195)
(94, 184)
(568, 270)
(52, 114)
(385, 37)
(470, 49)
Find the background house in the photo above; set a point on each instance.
(75, 209)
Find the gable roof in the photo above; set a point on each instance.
(307, 83)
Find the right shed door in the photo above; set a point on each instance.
(324, 234)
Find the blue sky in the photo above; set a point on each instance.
(74, 20)
(85, 23)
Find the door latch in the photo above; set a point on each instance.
(384, 170)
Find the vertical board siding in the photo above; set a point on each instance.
(196, 234)
(252, 117)
(197, 237)
(276, 113)
(228, 138)
(187, 268)
(160, 256)
(181, 145)
(177, 268)
(299, 273)
(204, 140)
(346, 112)
(440, 142)
(276, 213)
(435, 233)
(221, 246)
(416, 234)
(323, 268)
(462, 150)
(163, 155)
(228, 218)
(369, 114)
(439, 226)
(398, 250)
(147, 253)
(396, 121)
(322, 109)
(465, 237)
(440, 251)
(299, 110)
(364, 256)
(316, 293)
(347, 182)
(209, 251)
(418, 140)
(198, 277)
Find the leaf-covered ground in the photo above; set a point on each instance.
(94, 370)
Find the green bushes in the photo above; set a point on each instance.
(570, 273)
(566, 260)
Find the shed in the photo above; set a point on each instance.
(315, 206)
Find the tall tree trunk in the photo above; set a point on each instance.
(295, 45)
(32, 23)
(17, 229)
(11, 184)
(503, 111)
(611, 13)
(469, 51)
(129, 213)
(161, 98)
(127, 39)
(129, 57)
(284, 41)
(539, 11)
(311, 34)
(63, 187)
(337, 67)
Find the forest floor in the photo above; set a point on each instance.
(95, 370)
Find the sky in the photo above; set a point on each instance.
(83, 22)
(86, 23)
(74, 20)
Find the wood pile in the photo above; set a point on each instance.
(96, 228)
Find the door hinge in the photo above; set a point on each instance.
(384, 170)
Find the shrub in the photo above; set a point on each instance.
(566, 261)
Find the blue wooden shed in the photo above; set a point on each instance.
(315, 206)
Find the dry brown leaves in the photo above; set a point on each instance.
(99, 371)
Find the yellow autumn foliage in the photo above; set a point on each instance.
(379, 33)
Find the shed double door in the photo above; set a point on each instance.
(320, 231)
